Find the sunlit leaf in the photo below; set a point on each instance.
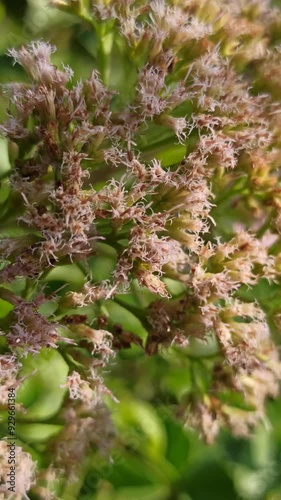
(41, 393)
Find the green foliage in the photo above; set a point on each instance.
(153, 456)
(42, 391)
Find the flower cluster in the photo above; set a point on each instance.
(88, 167)
(9, 368)
(25, 473)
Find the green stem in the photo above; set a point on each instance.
(104, 36)
(8, 295)
(105, 44)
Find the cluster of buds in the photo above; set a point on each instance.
(24, 473)
(86, 168)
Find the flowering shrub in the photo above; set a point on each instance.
(177, 179)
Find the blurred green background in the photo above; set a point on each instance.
(153, 458)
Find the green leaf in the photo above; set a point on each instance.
(262, 447)
(209, 481)
(143, 422)
(129, 470)
(139, 297)
(48, 308)
(103, 263)
(178, 445)
(69, 273)
(236, 399)
(177, 381)
(120, 315)
(198, 348)
(155, 492)
(42, 393)
(4, 164)
(17, 286)
(175, 288)
(33, 433)
(171, 155)
(4, 191)
(5, 308)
